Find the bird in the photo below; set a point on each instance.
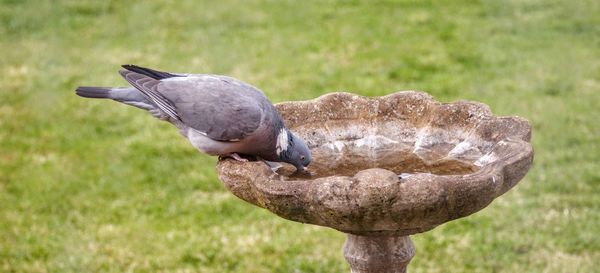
(219, 115)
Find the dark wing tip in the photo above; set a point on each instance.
(133, 67)
(155, 74)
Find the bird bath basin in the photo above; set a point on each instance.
(387, 167)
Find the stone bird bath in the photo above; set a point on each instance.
(387, 167)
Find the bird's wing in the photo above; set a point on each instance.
(148, 86)
(222, 108)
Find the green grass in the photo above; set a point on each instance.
(94, 186)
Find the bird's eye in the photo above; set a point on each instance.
(302, 157)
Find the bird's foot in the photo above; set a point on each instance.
(238, 157)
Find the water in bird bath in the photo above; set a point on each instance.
(408, 164)
(343, 148)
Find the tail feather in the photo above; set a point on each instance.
(126, 95)
(93, 92)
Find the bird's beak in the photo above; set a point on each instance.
(305, 169)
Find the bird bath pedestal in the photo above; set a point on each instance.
(387, 167)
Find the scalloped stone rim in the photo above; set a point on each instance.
(402, 128)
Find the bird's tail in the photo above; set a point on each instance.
(126, 95)
(94, 92)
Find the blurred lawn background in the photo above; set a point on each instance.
(95, 186)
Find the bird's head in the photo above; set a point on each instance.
(293, 150)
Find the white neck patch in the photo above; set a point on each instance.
(282, 141)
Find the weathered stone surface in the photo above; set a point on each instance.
(453, 158)
(378, 254)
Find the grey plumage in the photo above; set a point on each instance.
(126, 95)
(218, 114)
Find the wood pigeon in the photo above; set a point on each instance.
(219, 115)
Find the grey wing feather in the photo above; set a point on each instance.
(148, 86)
(223, 110)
